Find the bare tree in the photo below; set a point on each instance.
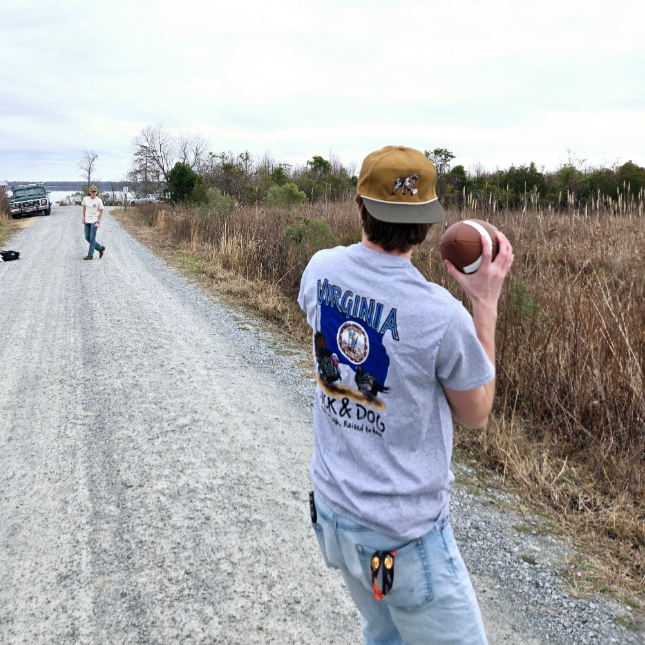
(142, 169)
(154, 149)
(266, 164)
(246, 161)
(477, 169)
(192, 149)
(135, 180)
(87, 165)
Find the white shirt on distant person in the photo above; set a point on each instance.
(92, 209)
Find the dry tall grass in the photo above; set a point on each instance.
(570, 422)
(5, 212)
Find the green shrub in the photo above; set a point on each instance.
(223, 205)
(312, 234)
(285, 196)
(630, 173)
(216, 205)
(279, 177)
(181, 180)
(199, 193)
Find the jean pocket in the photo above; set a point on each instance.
(412, 585)
(320, 536)
(451, 552)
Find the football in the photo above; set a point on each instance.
(461, 244)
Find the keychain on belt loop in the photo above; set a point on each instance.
(382, 567)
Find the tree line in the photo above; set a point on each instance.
(573, 184)
(186, 168)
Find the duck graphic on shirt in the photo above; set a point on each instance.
(367, 384)
(327, 362)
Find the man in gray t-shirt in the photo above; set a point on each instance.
(397, 358)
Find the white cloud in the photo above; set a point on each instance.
(498, 82)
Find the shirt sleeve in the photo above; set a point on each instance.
(100, 204)
(306, 297)
(462, 363)
(302, 296)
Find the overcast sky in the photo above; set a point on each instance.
(495, 82)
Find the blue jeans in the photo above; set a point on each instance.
(90, 236)
(432, 600)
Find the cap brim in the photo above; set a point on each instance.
(426, 213)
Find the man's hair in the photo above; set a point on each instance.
(391, 237)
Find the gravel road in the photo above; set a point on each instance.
(154, 449)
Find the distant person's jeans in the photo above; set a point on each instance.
(90, 236)
(432, 600)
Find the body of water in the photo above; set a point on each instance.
(57, 195)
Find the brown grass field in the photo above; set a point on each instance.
(8, 226)
(569, 423)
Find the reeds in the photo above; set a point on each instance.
(488, 202)
(5, 211)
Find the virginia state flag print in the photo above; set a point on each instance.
(353, 327)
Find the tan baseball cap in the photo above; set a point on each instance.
(94, 188)
(398, 184)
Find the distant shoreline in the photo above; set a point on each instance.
(105, 185)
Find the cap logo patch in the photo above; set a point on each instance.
(406, 184)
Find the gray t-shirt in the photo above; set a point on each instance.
(385, 342)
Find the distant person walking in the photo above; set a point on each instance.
(92, 214)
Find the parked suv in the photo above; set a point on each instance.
(32, 198)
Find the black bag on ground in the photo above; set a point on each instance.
(7, 256)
